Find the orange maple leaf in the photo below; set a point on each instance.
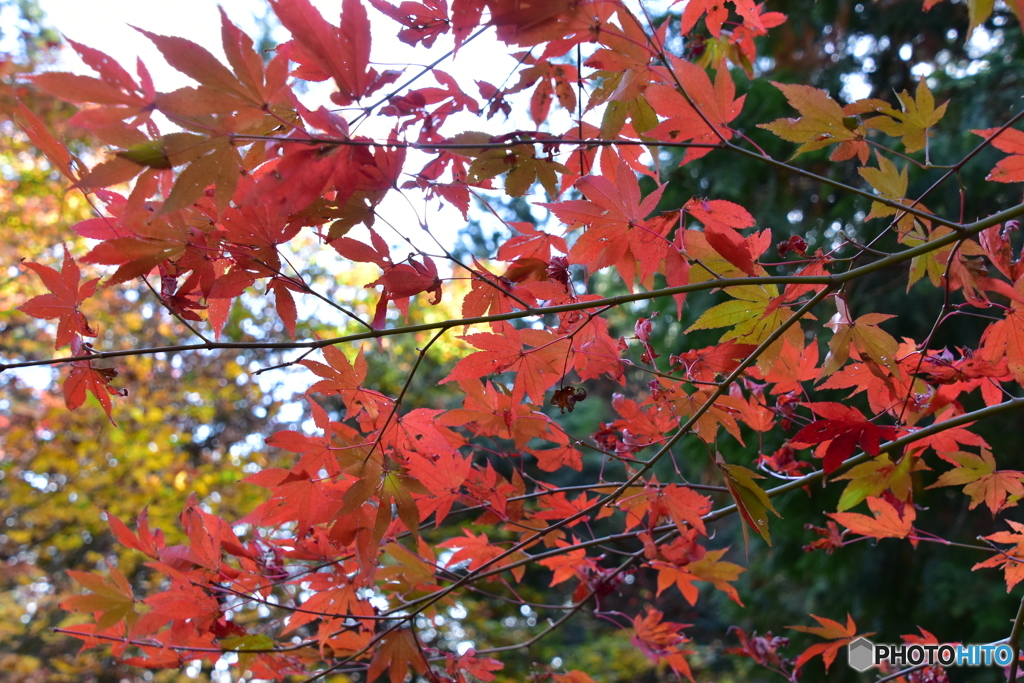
(864, 334)
(983, 482)
(838, 634)
(709, 568)
(567, 565)
(1011, 168)
(1005, 338)
(111, 600)
(1012, 560)
(888, 522)
(793, 366)
(823, 122)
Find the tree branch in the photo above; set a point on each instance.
(828, 280)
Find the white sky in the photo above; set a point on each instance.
(106, 25)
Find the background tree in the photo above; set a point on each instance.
(61, 471)
(407, 522)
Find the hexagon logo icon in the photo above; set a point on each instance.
(861, 654)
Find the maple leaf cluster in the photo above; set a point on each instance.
(387, 512)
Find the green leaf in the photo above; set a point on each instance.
(751, 500)
(871, 478)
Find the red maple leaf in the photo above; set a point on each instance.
(183, 600)
(942, 368)
(481, 668)
(830, 539)
(616, 232)
(704, 364)
(762, 649)
(442, 475)
(662, 641)
(396, 653)
(997, 244)
(144, 540)
(567, 565)
(595, 352)
(472, 548)
(318, 452)
(530, 243)
(325, 51)
(489, 412)
(716, 104)
(402, 281)
(884, 392)
(423, 21)
(86, 378)
(302, 173)
(536, 369)
(682, 505)
(716, 12)
(66, 295)
(418, 432)
(844, 428)
(340, 377)
(399, 281)
(551, 459)
(41, 137)
(557, 506)
(627, 61)
(556, 80)
(299, 497)
(491, 294)
(722, 220)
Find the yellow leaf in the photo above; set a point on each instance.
(821, 124)
(889, 182)
(912, 124)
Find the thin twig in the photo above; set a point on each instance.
(828, 280)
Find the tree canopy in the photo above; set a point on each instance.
(736, 316)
